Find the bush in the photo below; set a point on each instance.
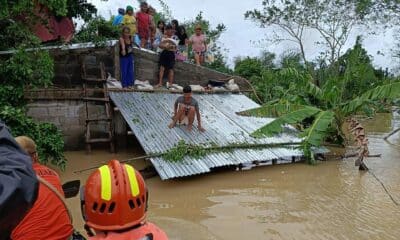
(49, 140)
(249, 67)
(97, 30)
(33, 69)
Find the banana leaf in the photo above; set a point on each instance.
(389, 91)
(293, 117)
(316, 133)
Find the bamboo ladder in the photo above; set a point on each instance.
(95, 91)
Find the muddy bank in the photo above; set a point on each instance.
(332, 200)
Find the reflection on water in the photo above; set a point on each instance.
(332, 200)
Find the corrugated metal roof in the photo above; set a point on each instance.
(148, 115)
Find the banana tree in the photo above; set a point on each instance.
(326, 118)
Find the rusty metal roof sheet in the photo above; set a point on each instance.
(148, 115)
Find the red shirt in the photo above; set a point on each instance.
(48, 219)
(143, 20)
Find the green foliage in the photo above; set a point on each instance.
(81, 9)
(345, 90)
(332, 21)
(317, 132)
(358, 72)
(182, 149)
(97, 30)
(48, 138)
(165, 13)
(385, 92)
(276, 126)
(324, 121)
(249, 67)
(28, 66)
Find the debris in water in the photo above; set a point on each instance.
(358, 132)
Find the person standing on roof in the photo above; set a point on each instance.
(167, 56)
(114, 203)
(126, 62)
(18, 183)
(129, 21)
(186, 108)
(153, 28)
(199, 45)
(48, 218)
(143, 23)
(118, 19)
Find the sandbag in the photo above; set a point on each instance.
(232, 86)
(197, 88)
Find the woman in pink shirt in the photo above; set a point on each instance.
(199, 45)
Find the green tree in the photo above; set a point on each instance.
(325, 116)
(81, 9)
(358, 73)
(29, 68)
(97, 30)
(248, 67)
(332, 20)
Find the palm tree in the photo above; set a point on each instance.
(326, 118)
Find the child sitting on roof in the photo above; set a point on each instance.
(185, 109)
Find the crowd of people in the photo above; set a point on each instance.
(170, 40)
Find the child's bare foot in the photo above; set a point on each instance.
(158, 85)
(171, 125)
(189, 128)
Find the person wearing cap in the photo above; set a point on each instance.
(114, 204)
(49, 217)
(168, 46)
(129, 20)
(118, 19)
(186, 108)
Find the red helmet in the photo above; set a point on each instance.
(114, 198)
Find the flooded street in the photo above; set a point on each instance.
(331, 200)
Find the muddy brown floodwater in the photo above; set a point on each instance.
(331, 200)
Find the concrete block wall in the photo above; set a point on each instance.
(69, 116)
(67, 64)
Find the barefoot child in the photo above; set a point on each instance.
(186, 109)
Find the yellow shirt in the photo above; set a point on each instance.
(130, 22)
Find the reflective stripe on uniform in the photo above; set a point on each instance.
(132, 180)
(105, 176)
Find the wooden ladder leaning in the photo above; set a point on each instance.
(95, 91)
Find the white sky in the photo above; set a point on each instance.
(241, 33)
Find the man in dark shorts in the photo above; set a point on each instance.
(185, 110)
(167, 56)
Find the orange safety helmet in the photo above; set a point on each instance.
(114, 198)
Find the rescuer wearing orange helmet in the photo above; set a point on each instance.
(114, 204)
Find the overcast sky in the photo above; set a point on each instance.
(241, 33)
